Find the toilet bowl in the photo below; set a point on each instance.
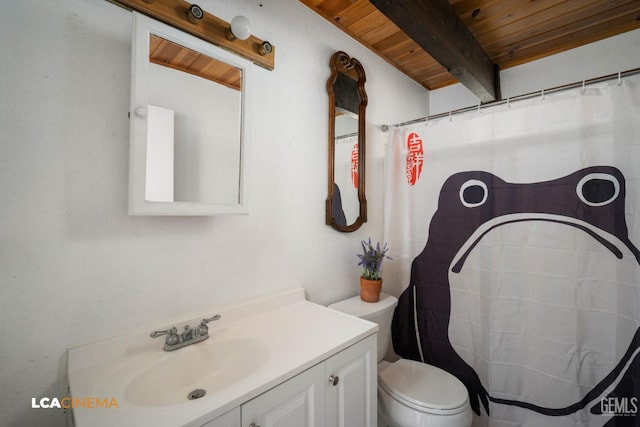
(410, 393)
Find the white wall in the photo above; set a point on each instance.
(75, 268)
(619, 53)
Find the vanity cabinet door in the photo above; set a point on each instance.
(351, 386)
(298, 402)
(229, 419)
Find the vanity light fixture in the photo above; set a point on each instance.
(240, 28)
(194, 20)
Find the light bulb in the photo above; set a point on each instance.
(241, 27)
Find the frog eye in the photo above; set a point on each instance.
(473, 193)
(598, 189)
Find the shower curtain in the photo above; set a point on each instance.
(346, 180)
(515, 233)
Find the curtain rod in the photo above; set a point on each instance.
(345, 136)
(542, 92)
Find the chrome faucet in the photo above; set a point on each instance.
(189, 336)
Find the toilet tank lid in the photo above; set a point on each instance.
(356, 307)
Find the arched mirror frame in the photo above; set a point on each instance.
(342, 59)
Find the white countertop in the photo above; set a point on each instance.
(297, 335)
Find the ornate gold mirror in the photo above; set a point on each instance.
(346, 205)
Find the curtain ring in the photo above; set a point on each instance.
(619, 78)
(583, 89)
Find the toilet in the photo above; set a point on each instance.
(410, 393)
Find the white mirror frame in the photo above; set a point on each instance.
(143, 27)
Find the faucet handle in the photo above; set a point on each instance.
(156, 334)
(203, 328)
(172, 336)
(211, 319)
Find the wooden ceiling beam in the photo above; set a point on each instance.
(434, 25)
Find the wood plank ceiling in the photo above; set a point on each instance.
(171, 55)
(511, 32)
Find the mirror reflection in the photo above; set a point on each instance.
(346, 167)
(346, 202)
(193, 126)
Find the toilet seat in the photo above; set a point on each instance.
(424, 388)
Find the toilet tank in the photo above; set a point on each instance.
(380, 312)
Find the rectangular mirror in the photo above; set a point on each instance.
(187, 114)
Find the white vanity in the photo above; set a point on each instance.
(279, 361)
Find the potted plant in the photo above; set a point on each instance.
(371, 262)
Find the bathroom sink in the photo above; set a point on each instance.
(172, 378)
(254, 347)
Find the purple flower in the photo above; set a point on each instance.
(371, 259)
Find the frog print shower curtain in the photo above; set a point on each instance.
(515, 231)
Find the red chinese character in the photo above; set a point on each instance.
(415, 158)
(354, 165)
